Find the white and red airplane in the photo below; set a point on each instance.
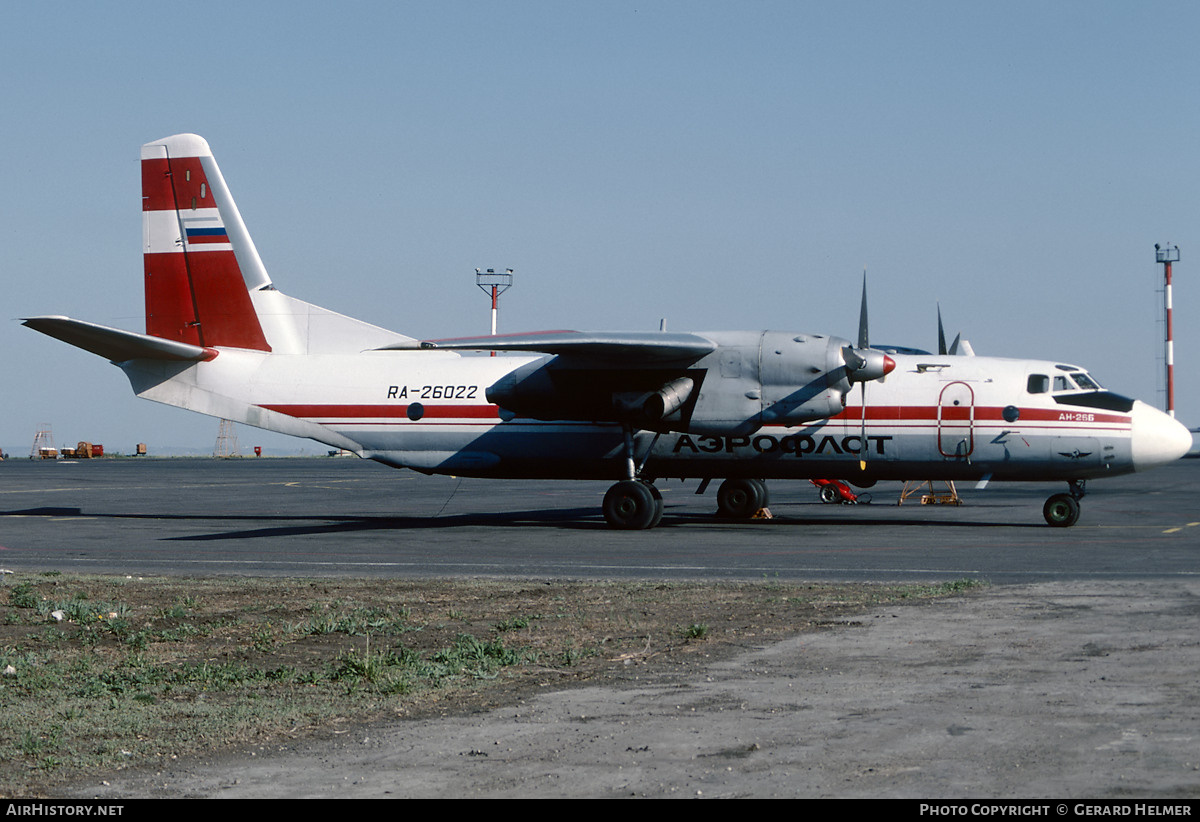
(744, 406)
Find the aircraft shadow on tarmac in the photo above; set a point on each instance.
(574, 519)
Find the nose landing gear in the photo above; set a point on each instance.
(1062, 510)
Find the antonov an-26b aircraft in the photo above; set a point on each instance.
(742, 406)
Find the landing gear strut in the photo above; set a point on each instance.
(1062, 510)
(633, 504)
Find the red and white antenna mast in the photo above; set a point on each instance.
(497, 284)
(1167, 254)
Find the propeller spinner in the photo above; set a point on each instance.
(865, 364)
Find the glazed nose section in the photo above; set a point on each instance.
(1157, 438)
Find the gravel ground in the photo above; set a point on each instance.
(1051, 690)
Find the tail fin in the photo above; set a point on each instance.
(200, 262)
(205, 283)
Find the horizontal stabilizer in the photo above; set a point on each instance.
(641, 346)
(115, 344)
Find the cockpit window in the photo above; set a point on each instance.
(1076, 381)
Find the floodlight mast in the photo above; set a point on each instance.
(496, 284)
(1167, 254)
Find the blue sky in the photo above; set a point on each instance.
(722, 165)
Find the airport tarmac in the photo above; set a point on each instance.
(344, 516)
(1073, 675)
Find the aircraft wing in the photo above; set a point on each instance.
(620, 346)
(115, 344)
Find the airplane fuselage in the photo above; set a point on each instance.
(933, 417)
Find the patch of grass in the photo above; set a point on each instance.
(338, 618)
(141, 670)
(957, 586)
(512, 624)
(22, 596)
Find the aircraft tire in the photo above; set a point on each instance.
(630, 505)
(740, 498)
(659, 506)
(1061, 511)
(764, 495)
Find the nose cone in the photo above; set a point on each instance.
(1157, 438)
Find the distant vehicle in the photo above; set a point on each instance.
(836, 491)
(743, 406)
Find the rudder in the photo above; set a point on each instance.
(200, 263)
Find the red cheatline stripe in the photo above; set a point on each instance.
(878, 414)
(884, 413)
(386, 411)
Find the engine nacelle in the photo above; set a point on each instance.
(770, 377)
(752, 378)
(653, 398)
(656, 406)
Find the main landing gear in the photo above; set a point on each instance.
(741, 498)
(633, 504)
(1062, 510)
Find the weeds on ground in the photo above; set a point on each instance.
(98, 673)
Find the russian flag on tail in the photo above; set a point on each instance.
(199, 236)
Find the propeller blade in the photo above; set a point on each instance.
(865, 365)
(862, 433)
(854, 361)
(941, 333)
(863, 336)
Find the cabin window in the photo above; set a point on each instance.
(1038, 384)
(1063, 384)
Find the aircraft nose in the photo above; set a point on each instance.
(1157, 438)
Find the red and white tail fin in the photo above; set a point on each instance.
(205, 283)
(200, 262)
